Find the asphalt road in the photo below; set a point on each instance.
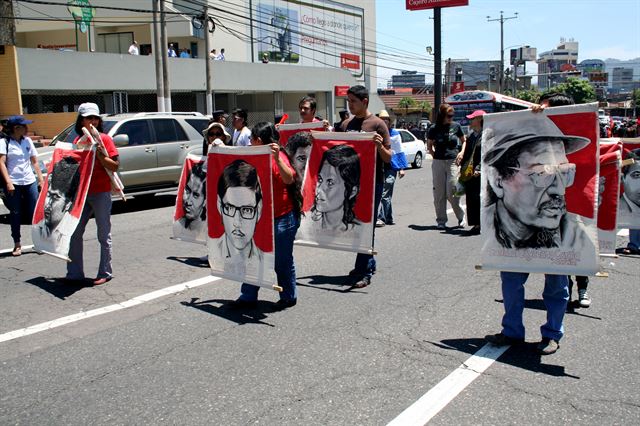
(339, 357)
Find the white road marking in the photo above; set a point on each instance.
(107, 309)
(9, 250)
(432, 402)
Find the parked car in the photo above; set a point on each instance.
(152, 147)
(413, 148)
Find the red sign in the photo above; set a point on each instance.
(349, 61)
(457, 87)
(340, 90)
(432, 4)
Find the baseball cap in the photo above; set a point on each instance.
(18, 120)
(88, 109)
(476, 113)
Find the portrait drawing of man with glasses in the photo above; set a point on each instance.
(528, 174)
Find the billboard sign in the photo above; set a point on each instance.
(457, 87)
(319, 33)
(432, 4)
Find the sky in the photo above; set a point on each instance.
(604, 29)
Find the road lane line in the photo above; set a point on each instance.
(432, 402)
(138, 300)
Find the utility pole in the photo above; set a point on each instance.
(437, 45)
(157, 54)
(7, 24)
(165, 58)
(207, 48)
(501, 20)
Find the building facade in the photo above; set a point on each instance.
(408, 79)
(476, 75)
(554, 63)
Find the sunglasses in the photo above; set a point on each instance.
(215, 134)
(543, 175)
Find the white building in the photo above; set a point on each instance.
(562, 58)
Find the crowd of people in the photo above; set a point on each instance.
(456, 163)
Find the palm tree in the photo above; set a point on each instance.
(406, 103)
(425, 106)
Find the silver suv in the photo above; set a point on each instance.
(152, 147)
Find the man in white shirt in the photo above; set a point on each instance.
(220, 57)
(133, 49)
(241, 133)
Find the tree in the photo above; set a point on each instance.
(7, 23)
(531, 95)
(580, 90)
(425, 107)
(635, 98)
(406, 103)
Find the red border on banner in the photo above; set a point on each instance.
(432, 4)
(189, 162)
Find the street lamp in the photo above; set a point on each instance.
(430, 50)
(501, 19)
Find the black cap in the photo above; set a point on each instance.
(217, 113)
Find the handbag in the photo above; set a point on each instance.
(467, 170)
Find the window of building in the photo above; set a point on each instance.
(114, 42)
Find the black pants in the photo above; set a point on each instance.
(583, 283)
(472, 189)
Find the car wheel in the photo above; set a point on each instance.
(417, 161)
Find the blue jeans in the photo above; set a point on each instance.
(385, 213)
(555, 296)
(365, 263)
(634, 239)
(24, 198)
(100, 205)
(284, 229)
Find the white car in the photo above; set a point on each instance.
(414, 148)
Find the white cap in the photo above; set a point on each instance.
(87, 109)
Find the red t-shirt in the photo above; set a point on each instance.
(100, 181)
(282, 201)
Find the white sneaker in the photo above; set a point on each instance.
(583, 299)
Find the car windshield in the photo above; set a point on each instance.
(69, 134)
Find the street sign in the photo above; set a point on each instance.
(340, 90)
(457, 87)
(431, 4)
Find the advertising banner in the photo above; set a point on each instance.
(608, 194)
(310, 33)
(629, 206)
(62, 199)
(240, 214)
(539, 187)
(190, 216)
(431, 4)
(338, 191)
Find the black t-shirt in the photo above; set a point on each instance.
(445, 143)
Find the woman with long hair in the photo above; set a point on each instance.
(287, 203)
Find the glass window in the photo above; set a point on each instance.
(198, 124)
(138, 132)
(168, 130)
(406, 137)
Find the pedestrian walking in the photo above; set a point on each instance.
(392, 170)
(442, 144)
(98, 201)
(18, 160)
(287, 204)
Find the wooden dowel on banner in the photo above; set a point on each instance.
(602, 274)
(609, 255)
(116, 183)
(277, 288)
(628, 162)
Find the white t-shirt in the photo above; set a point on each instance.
(19, 160)
(133, 50)
(242, 137)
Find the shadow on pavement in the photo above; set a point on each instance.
(224, 308)
(522, 356)
(142, 203)
(316, 281)
(538, 304)
(59, 288)
(191, 261)
(425, 228)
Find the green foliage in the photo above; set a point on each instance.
(425, 107)
(532, 96)
(580, 90)
(406, 103)
(635, 97)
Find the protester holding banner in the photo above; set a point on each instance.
(629, 208)
(98, 202)
(442, 143)
(17, 157)
(396, 167)
(286, 212)
(363, 120)
(307, 109)
(470, 170)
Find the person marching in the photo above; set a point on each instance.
(98, 202)
(392, 170)
(470, 170)
(17, 156)
(287, 204)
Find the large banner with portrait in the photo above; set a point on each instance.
(240, 214)
(338, 193)
(608, 195)
(539, 188)
(296, 140)
(190, 216)
(62, 198)
(629, 206)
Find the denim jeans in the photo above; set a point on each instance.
(366, 263)
(24, 198)
(634, 239)
(555, 296)
(284, 228)
(385, 212)
(100, 205)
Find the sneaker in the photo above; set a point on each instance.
(547, 346)
(380, 223)
(502, 340)
(442, 226)
(362, 282)
(244, 304)
(462, 223)
(583, 298)
(286, 303)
